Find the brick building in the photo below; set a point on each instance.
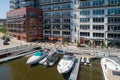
(25, 24)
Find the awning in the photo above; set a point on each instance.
(40, 38)
(59, 39)
(51, 38)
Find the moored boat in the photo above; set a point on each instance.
(66, 64)
(36, 57)
(111, 69)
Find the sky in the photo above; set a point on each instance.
(4, 7)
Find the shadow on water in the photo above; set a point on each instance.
(93, 72)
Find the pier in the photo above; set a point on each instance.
(74, 72)
(16, 56)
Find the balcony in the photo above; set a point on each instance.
(99, 6)
(57, 2)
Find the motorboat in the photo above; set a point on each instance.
(51, 59)
(37, 56)
(60, 51)
(111, 69)
(87, 60)
(82, 60)
(66, 64)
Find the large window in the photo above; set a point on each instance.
(47, 14)
(113, 27)
(84, 34)
(98, 2)
(85, 27)
(98, 20)
(56, 14)
(66, 13)
(85, 12)
(114, 20)
(98, 27)
(98, 34)
(98, 12)
(56, 7)
(65, 20)
(85, 4)
(114, 11)
(113, 2)
(84, 19)
(65, 6)
(113, 35)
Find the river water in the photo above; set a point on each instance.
(19, 70)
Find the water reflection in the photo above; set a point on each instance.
(19, 70)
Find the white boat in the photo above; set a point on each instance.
(36, 57)
(82, 60)
(65, 64)
(111, 69)
(87, 60)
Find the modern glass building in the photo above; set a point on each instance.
(99, 21)
(72, 20)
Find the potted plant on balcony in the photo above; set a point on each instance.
(118, 3)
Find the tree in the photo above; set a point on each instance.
(4, 29)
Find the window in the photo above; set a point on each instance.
(98, 34)
(98, 2)
(85, 4)
(84, 34)
(113, 2)
(85, 27)
(47, 14)
(113, 19)
(56, 7)
(66, 13)
(84, 19)
(56, 14)
(56, 32)
(85, 12)
(98, 27)
(98, 12)
(113, 35)
(98, 20)
(65, 20)
(65, 6)
(113, 27)
(66, 27)
(114, 11)
(66, 33)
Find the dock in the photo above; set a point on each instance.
(74, 72)
(14, 57)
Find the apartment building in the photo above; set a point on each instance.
(57, 18)
(73, 20)
(25, 24)
(98, 20)
(17, 4)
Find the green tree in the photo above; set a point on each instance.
(4, 29)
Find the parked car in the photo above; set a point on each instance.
(5, 42)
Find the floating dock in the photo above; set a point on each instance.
(74, 73)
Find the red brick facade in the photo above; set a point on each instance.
(25, 24)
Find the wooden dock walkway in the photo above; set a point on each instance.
(16, 56)
(74, 73)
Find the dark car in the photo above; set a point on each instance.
(5, 42)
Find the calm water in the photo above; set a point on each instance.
(18, 70)
(93, 72)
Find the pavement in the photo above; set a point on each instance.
(12, 43)
(67, 47)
